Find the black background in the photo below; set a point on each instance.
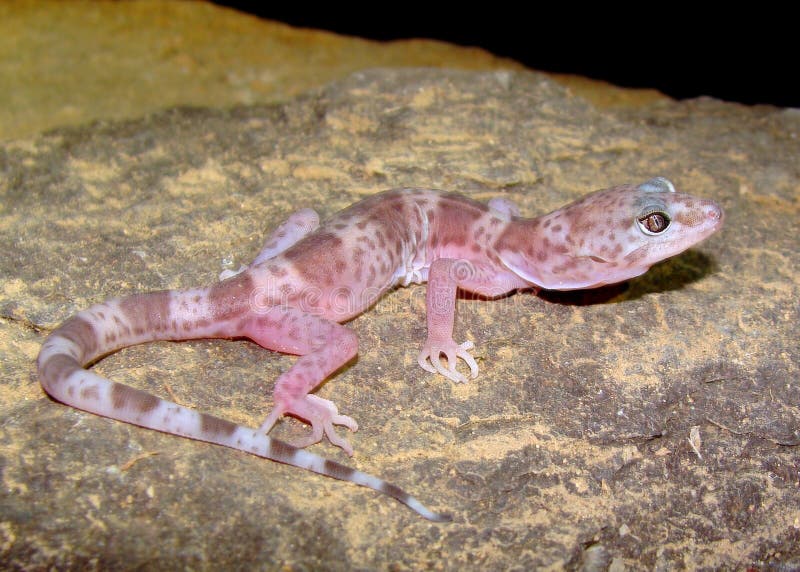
(729, 53)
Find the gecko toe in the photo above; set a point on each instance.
(335, 439)
(423, 362)
(272, 418)
(317, 431)
(345, 421)
(464, 354)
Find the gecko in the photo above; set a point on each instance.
(309, 278)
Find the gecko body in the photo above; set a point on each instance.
(309, 278)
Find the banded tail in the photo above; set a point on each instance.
(110, 326)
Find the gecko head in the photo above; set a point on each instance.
(616, 234)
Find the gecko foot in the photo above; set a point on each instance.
(429, 359)
(322, 414)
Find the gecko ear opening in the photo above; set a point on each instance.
(657, 185)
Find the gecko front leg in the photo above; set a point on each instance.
(324, 347)
(444, 277)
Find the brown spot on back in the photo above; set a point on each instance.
(276, 270)
(230, 298)
(358, 256)
(517, 236)
(316, 257)
(454, 217)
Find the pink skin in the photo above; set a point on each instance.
(309, 278)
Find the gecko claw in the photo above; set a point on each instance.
(429, 359)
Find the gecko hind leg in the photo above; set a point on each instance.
(289, 232)
(323, 346)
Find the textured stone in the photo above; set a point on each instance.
(575, 435)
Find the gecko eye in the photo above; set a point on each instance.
(653, 223)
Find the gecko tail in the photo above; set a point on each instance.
(290, 455)
(62, 374)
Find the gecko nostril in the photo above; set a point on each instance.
(715, 216)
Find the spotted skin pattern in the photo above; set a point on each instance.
(308, 279)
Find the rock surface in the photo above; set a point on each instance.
(653, 424)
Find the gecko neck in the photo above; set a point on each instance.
(547, 252)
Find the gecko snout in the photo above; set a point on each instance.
(715, 214)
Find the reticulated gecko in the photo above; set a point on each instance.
(309, 278)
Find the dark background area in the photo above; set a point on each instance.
(749, 58)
